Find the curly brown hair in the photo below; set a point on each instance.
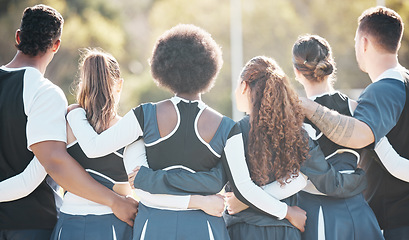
(277, 142)
(40, 26)
(186, 59)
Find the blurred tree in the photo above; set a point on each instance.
(128, 30)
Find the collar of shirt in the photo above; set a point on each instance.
(395, 73)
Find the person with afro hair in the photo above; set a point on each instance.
(183, 137)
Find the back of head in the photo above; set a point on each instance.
(384, 25)
(98, 72)
(186, 59)
(40, 27)
(312, 56)
(277, 145)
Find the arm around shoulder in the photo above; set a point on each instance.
(344, 130)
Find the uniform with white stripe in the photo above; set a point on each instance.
(32, 110)
(185, 148)
(339, 217)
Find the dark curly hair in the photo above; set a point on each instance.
(312, 56)
(40, 26)
(384, 24)
(186, 59)
(277, 142)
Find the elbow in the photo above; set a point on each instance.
(360, 142)
(54, 162)
(218, 187)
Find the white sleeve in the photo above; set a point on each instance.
(45, 106)
(124, 132)
(135, 155)
(22, 184)
(395, 164)
(163, 200)
(288, 189)
(239, 176)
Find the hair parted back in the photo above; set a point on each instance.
(40, 27)
(186, 59)
(384, 25)
(98, 73)
(312, 56)
(277, 141)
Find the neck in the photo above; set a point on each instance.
(313, 89)
(40, 62)
(190, 96)
(380, 64)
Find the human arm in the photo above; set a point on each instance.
(135, 155)
(395, 164)
(46, 136)
(73, 178)
(341, 129)
(327, 179)
(379, 108)
(180, 182)
(248, 192)
(275, 189)
(124, 132)
(239, 177)
(27, 181)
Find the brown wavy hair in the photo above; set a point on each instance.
(98, 72)
(277, 142)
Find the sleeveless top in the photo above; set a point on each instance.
(183, 147)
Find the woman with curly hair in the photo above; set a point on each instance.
(275, 145)
(340, 217)
(183, 135)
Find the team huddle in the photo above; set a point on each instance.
(322, 166)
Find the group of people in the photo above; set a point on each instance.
(292, 168)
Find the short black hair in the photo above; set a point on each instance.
(384, 24)
(186, 59)
(40, 26)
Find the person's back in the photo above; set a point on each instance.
(386, 194)
(188, 134)
(22, 92)
(330, 216)
(39, 113)
(18, 90)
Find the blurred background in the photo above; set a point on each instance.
(243, 28)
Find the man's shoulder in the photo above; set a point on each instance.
(385, 87)
(39, 90)
(35, 83)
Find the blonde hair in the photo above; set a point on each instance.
(98, 73)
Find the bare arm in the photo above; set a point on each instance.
(72, 177)
(343, 130)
